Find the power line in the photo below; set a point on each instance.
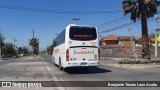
(11, 37)
(111, 23)
(117, 27)
(121, 26)
(57, 11)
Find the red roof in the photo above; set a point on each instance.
(124, 38)
(110, 37)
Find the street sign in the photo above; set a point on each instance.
(158, 38)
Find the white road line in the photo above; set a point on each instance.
(53, 76)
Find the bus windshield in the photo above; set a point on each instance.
(81, 33)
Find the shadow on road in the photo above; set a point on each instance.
(90, 70)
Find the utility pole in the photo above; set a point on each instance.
(14, 39)
(133, 44)
(33, 46)
(33, 33)
(16, 45)
(75, 20)
(156, 42)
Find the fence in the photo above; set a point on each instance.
(125, 52)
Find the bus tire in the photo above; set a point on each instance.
(60, 65)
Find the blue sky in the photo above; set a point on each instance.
(20, 23)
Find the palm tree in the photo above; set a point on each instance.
(141, 9)
(1, 44)
(34, 42)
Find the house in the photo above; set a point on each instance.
(109, 41)
(116, 41)
(124, 41)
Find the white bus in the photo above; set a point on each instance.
(76, 46)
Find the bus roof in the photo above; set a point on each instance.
(81, 25)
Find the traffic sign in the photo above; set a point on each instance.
(158, 38)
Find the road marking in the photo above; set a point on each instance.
(53, 75)
(49, 74)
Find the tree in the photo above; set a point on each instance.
(51, 47)
(23, 50)
(20, 50)
(9, 50)
(34, 42)
(1, 44)
(49, 50)
(141, 9)
(1, 40)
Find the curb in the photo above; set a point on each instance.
(134, 66)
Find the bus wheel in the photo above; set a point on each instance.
(60, 65)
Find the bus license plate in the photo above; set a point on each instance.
(83, 64)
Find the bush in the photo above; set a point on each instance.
(139, 61)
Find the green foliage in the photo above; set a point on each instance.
(34, 42)
(50, 50)
(23, 50)
(138, 7)
(2, 39)
(8, 49)
(141, 9)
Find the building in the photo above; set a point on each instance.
(116, 41)
(110, 40)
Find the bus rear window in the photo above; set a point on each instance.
(82, 33)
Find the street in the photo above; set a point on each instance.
(42, 69)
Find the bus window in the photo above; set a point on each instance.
(82, 33)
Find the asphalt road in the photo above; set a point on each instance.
(42, 69)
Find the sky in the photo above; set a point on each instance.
(19, 24)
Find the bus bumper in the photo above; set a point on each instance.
(82, 64)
